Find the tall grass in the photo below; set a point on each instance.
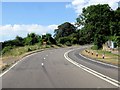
(16, 51)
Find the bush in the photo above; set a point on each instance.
(59, 45)
(64, 40)
(29, 49)
(47, 46)
(6, 49)
(68, 43)
(95, 47)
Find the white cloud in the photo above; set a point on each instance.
(68, 6)
(8, 32)
(79, 4)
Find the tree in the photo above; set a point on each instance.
(19, 41)
(31, 39)
(48, 38)
(64, 40)
(96, 21)
(64, 30)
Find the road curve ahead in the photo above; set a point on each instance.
(105, 69)
(57, 72)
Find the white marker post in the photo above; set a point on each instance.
(103, 56)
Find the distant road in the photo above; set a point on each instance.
(56, 73)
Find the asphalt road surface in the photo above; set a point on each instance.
(57, 72)
(101, 68)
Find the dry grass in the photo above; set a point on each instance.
(109, 57)
(15, 54)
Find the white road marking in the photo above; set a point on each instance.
(42, 64)
(2, 74)
(46, 55)
(95, 73)
(15, 64)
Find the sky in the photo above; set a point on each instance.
(21, 18)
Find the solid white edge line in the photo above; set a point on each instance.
(95, 73)
(103, 64)
(2, 74)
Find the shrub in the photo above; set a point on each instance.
(95, 47)
(59, 45)
(29, 49)
(6, 49)
(47, 46)
(68, 43)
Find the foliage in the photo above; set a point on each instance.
(64, 30)
(48, 38)
(29, 49)
(68, 43)
(63, 40)
(95, 47)
(6, 49)
(31, 39)
(99, 23)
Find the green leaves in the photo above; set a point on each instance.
(99, 22)
(31, 39)
(64, 30)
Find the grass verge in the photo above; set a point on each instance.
(108, 56)
(15, 54)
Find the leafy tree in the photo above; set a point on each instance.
(31, 39)
(63, 40)
(48, 38)
(64, 30)
(99, 22)
(19, 41)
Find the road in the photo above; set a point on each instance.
(101, 68)
(56, 73)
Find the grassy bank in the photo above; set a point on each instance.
(108, 56)
(13, 55)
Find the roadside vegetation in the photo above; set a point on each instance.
(109, 57)
(96, 25)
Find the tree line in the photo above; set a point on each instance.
(99, 23)
(30, 39)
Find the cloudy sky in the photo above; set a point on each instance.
(21, 18)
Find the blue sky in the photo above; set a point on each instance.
(43, 13)
(21, 18)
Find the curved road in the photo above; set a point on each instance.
(107, 70)
(56, 73)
